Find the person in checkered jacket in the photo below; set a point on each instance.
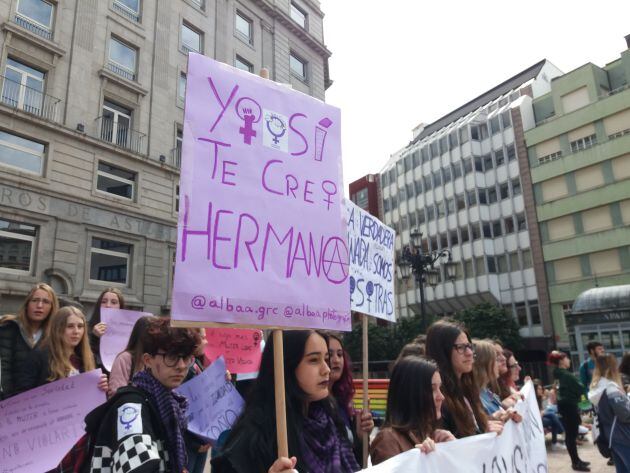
(143, 427)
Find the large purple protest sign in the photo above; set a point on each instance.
(261, 236)
(38, 427)
(119, 322)
(214, 402)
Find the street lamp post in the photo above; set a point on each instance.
(423, 267)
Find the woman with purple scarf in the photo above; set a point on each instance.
(317, 436)
(143, 428)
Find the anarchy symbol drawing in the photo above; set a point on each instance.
(335, 260)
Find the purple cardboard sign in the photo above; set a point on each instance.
(214, 403)
(261, 232)
(38, 427)
(119, 322)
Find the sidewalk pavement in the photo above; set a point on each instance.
(559, 462)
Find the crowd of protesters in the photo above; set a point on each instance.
(443, 386)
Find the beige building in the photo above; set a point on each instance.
(91, 117)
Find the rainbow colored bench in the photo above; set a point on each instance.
(377, 395)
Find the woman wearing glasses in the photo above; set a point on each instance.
(142, 428)
(448, 344)
(20, 334)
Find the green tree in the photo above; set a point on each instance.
(491, 321)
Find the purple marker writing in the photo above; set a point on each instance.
(320, 137)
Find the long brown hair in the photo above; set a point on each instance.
(22, 316)
(606, 367)
(439, 346)
(96, 313)
(60, 366)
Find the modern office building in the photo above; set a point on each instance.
(579, 154)
(91, 117)
(463, 182)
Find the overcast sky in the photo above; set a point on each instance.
(397, 63)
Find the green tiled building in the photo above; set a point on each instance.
(579, 156)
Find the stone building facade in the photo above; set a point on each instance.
(91, 116)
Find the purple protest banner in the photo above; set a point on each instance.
(261, 235)
(214, 402)
(39, 426)
(119, 322)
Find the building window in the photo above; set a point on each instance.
(114, 180)
(527, 259)
(122, 59)
(487, 162)
(492, 265)
(361, 198)
(244, 27)
(21, 153)
(468, 165)
(17, 243)
(460, 202)
(534, 312)
(200, 3)
(191, 39)
(550, 157)
(447, 174)
(521, 314)
(511, 152)
(508, 222)
(516, 186)
(463, 135)
(36, 16)
(23, 87)
(494, 125)
(297, 66)
(298, 15)
(457, 170)
(492, 194)
(506, 120)
(181, 87)
(243, 65)
(583, 143)
(504, 190)
(464, 233)
(116, 124)
(128, 8)
(521, 224)
(109, 260)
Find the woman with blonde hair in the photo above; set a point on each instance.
(65, 353)
(486, 372)
(21, 334)
(612, 408)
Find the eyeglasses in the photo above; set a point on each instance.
(37, 300)
(171, 360)
(462, 347)
(515, 365)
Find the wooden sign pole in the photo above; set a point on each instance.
(281, 409)
(278, 374)
(366, 439)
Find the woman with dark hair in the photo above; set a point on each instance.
(317, 436)
(624, 370)
(66, 352)
(414, 402)
(129, 361)
(449, 345)
(21, 334)
(342, 389)
(110, 298)
(142, 427)
(570, 392)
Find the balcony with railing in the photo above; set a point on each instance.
(176, 157)
(126, 11)
(33, 27)
(121, 71)
(120, 134)
(27, 99)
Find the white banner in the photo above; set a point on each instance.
(371, 247)
(519, 449)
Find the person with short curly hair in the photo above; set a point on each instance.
(143, 427)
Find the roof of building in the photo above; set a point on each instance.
(492, 94)
(602, 299)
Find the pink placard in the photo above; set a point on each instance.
(38, 427)
(261, 233)
(120, 323)
(239, 347)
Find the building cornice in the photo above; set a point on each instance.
(26, 35)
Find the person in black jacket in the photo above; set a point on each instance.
(143, 428)
(20, 334)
